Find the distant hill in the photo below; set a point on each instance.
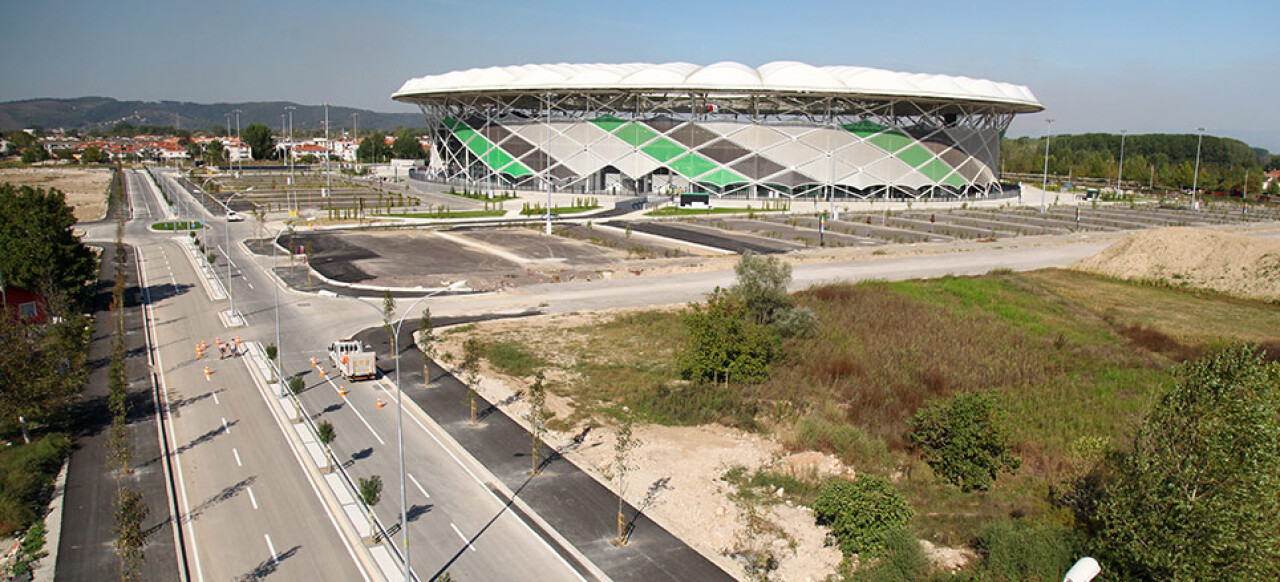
(87, 113)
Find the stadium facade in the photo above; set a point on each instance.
(785, 129)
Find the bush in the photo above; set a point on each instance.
(1019, 551)
(965, 440)
(862, 514)
(1198, 496)
(26, 479)
(513, 358)
(724, 340)
(903, 560)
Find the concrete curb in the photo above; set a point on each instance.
(46, 567)
(494, 484)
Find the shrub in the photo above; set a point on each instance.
(512, 358)
(965, 440)
(861, 514)
(903, 560)
(723, 340)
(1198, 496)
(1019, 551)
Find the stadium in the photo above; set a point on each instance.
(783, 130)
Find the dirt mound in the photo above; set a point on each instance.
(1232, 263)
(85, 188)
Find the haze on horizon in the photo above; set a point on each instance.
(1097, 66)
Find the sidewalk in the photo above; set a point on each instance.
(86, 550)
(579, 508)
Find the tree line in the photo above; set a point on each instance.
(1150, 160)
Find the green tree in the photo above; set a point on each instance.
(861, 514)
(37, 248)
(471, 372)
(406, 147)
(373, 149)
(326, 433)
(261, 144)
(215, 152)
(1198, 495)
(426, 340)
(965, 440)
(370, 491)
(33, 154)
(92, 155)
(762, 286)
(725, 341)
(624, 445)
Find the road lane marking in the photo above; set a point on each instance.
(271, 547)
(418, 485)
(215, 398)
(252, 499)
(358, 415)
(464, 538)
(225, 427)
(237, 454)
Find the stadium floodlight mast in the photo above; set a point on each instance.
(1044, 183)
(547, 156)
(1195, 179)
(1120, 173)
(395, 350)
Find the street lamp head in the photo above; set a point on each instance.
(456, 285)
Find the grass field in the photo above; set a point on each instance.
(177, 225)
(1074, 358)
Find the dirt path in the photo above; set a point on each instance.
(85, 188)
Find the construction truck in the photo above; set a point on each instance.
(352, 360)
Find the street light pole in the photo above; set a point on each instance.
(1044, 184)
(231, 296)
(279, 349)
(395, 351)
(1195, 180)
(1120, 174)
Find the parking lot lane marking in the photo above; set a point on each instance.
(215, 398)
(271, 547)
(464, 538)
(418, 485)
(237, 454)
(225, 426)
(252, 499)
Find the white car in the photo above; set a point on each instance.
(233, 216)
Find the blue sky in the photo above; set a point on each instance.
(1098, 66)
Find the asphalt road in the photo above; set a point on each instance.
(246, 506)
(461, 526)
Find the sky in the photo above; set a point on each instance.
(1141, 66)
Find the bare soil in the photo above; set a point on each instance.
(1227, 262)
(85, 188)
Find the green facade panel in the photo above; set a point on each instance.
(663, 150)
(935, 170)
(490, 154)
(723, 177)
(692, 165)
(916, 156)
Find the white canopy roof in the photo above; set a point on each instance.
(781, 76)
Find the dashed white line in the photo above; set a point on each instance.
(418, 485)
(464, 538)
(271, 547)
(358, 415)
(215, 398)
(226, 427)
(237, 454)
(252, 499)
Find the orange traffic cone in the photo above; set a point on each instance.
(321, 368)
(313, 361)
(342, 390)
(380, 402)
(207, 373)
(199, 354)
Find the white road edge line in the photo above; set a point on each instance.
(168, 417)
(464, 538)
(302, 464)
(252, 499)
(486, 488)
(418, 485)
(271, 547)
(237, 454)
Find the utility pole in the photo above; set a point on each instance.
(1044, 184)
(1195, 180)
(1120, 174)
(328, 151)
